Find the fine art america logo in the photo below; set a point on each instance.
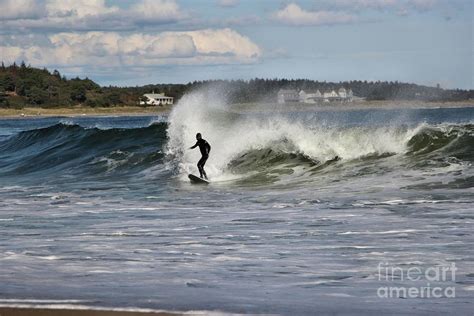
(427, 282)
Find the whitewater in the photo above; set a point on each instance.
(303, 209)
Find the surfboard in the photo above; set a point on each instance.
(196, 180)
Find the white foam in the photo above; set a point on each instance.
(38, 301)
(380, 232)
(49, 257)
(338, 295)
(159, 119)
(67, 122)
(11, 188)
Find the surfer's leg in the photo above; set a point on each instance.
(201, 164)
(200, 168)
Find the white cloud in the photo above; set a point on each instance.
(157, 10)
(346, 11)
(20, 9)
(225, 42)
(294, 15)
(85, 15)
(397, 6)
(111, 49)
(11, 53)
(365, 4)
(78, 8)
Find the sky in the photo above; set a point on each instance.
(129, 43)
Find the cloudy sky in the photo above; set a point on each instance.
(125, 42)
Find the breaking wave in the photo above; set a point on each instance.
(269, 145)
(257, 148)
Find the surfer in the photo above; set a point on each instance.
(205, 149)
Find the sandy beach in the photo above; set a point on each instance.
(83, 111)
(14, 311)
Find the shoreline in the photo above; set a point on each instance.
(50, 311)
(354, 106)
(80, 111)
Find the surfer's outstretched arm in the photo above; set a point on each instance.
(192, 147)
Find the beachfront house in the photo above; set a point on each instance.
(291, 96)
(342, 95)
(310, 97)
(288, 96)
(155, 99)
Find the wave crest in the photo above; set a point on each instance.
(259, 142)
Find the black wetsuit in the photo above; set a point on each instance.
(205, 149)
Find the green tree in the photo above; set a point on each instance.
(114, 98)
(57, 74)
(78, 94)
(3, 99)
(7, 83)
(37, 96)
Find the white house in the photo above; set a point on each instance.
(156, 99)
(302, 96)
(328, 96)
(287, 96)
(342, 93)
(310, 97)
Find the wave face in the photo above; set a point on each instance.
(81, 151)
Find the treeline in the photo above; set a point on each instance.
(266, 90)
(22, 85)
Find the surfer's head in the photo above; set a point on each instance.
(198, 136)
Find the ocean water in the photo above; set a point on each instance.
(98, 211)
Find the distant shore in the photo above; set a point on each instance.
(83, 111)
(358, 105)
(246, 107)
